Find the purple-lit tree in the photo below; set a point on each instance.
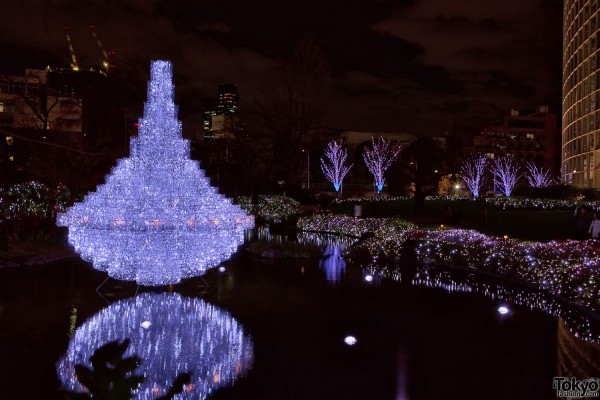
(379, 158)
(335, 170)
(538, 176)
(506, 174)
(472, 171)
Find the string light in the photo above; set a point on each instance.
(579, 321)
(570, 268)
(156, 220)
(172, 335)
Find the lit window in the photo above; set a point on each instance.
(11, 158)
(1, 106)
(9, 140)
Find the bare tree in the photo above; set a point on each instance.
(506, 174)
(472, 171)
(538, 176)
(336, 169)
(292, 116)
(379, 158)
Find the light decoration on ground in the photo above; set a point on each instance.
(538, 176)
(472, 172)
(29, 199)
(335, 169)
(156, 220)
(539, 204)
(172, 335)
(270, 208)
(506, 174)
(570, 268)
(379, 158)
(580, 322)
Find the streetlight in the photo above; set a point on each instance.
(307, 168)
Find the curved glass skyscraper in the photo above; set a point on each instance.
(580, 153)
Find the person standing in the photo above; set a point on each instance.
(583, 219)
(594, 230)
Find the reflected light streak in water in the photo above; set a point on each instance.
(333, 263)
(172, 335)
(581, 324)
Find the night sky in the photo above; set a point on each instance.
(422, 66)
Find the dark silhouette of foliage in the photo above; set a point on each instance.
(112, 376)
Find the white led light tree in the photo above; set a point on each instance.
(538, 176)
(472, 171)
(335, 170)
(506, 174)
(156, 220)
(379, 158)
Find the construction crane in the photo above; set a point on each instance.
(107, 60)
(74, 63)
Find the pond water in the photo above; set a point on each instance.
(279, 329)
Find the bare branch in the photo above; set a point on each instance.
(473, 172)
(335, 170)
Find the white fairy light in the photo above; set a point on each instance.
(473, 171)
(538, 176)
(335, 169)
(379, 158)
(506, 174)
(156, 220)
(185, 335)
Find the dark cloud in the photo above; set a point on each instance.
(414, 66)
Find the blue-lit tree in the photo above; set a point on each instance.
(472, 171)
(379, 158)
(538, 176)
(506, 174)
(335, 169)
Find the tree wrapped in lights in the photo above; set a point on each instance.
(156, 220)
(506, 174)
(538, 176)
(379, 158)
(473, 172)
(336, 169)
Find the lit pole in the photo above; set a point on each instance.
(307, 168)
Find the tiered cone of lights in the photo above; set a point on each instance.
(156, 220)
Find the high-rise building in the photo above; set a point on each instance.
(531, 138)
(580, 152)
(228, 99)
(210, 110)
(220, 120)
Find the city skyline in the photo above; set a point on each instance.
(394, 64)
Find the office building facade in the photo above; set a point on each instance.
(530, 138)
(580, 147)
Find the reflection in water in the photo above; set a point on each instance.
(172, 335)
(333, 263)
(581, 323)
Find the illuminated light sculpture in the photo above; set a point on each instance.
(156, 220)
(172, 335)
(379, 158)
(506, 174)
(335, 170)
(473, 172)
